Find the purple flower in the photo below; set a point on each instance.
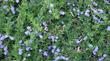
(97, 19)
(5, 6)
(45, 53)
(95, 50)
(103, 57)
(57, 51)
(21, 43)
(78, 41)
(17, 1)
(108, 28)
(61, 58)
(53, 38)
(87, 13)
(13, 9)
(97, 11)
(1, 46)
(30, 40)
(28, 48)
(5, 50)
(27, 33)
(62, 12)
(107, 1)
(20, 51)
(94, 3)
(3, 37)
(54, 50)
(50, 47)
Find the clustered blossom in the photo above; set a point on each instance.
(24, 46)
(12, 7)
(2, 46)
(53, 49)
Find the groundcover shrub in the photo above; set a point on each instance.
(54, 30)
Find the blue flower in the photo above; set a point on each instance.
(20, 51)
(3, 37)
(27, 32)
(57, 51)
(13, 9)
(30, 40)
(61, 58)
(50, 47)
(95, 50)
(17, 1)
(53, 38)
(108, 28)
(1, 46)
(62, 12)
(45, 53)
(21, 43)
(5, 50)
(103, 57)
(28, 48)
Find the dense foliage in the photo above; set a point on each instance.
(54, 30)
